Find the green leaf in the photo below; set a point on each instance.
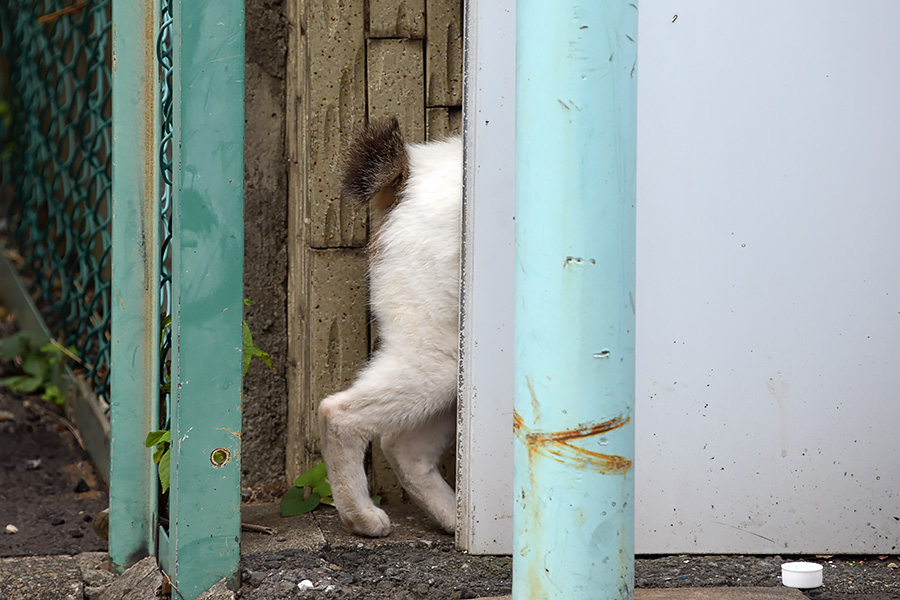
(249, 351)
(37, 365)
(23, 383)
(51, 349)
(312, 477)
(158, 453)
(327, 500)
(247, 345)
(164, 472)
(293, 502)
(167, 322)
(15, 344)
(248, 302)
(376, 499)
(323, 489)
(158, 437)
(53, 394)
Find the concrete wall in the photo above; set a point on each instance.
(265, 249)
(316, 71)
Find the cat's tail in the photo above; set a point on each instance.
(376, 165)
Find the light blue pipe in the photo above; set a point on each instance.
(574, 320)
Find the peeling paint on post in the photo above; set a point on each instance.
(574, 352)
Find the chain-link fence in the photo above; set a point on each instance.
(56, 110)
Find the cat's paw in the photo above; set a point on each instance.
(371, 522)
(448, 524)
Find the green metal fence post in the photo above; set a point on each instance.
(574, 318)
(207, 293)
(135, 324)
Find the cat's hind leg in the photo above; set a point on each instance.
(389, 395)
(414, 454)
(344, 447)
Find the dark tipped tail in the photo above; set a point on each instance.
(375, 165)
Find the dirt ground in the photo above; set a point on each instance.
(49, 490)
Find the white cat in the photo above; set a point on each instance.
(406, 395)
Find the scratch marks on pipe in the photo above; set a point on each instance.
(535, 405)
(559, 445)
(568, 105)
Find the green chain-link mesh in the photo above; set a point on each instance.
(56, 176)
(164, 56)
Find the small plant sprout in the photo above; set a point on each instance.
(162, 439)
(38, 363)
(295, 500)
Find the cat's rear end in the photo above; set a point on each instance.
(406, 395)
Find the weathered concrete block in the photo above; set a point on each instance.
(336, 79)
(443, 122)
(396, 18)
(384, 481)
(444, 55)
(395, 69)
(338, 335)
(332, 349)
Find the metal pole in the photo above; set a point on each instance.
(207, 291)
(134, 378)
(574, 316)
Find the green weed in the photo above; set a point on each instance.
(37, 362)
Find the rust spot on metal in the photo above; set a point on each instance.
(518, 423)
(558, 445)
(582, 432)
(237, 435)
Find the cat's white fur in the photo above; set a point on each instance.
(406, 395)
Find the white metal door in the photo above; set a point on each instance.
(768, 279)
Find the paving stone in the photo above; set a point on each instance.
(218, 592)
(140, 582)
(40, 578)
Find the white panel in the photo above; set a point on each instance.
(484, 449)
(768, 280)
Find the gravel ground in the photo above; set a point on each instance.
(417, 570)
(845, 578)
(436, 570)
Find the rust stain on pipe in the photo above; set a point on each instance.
(558, 445)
